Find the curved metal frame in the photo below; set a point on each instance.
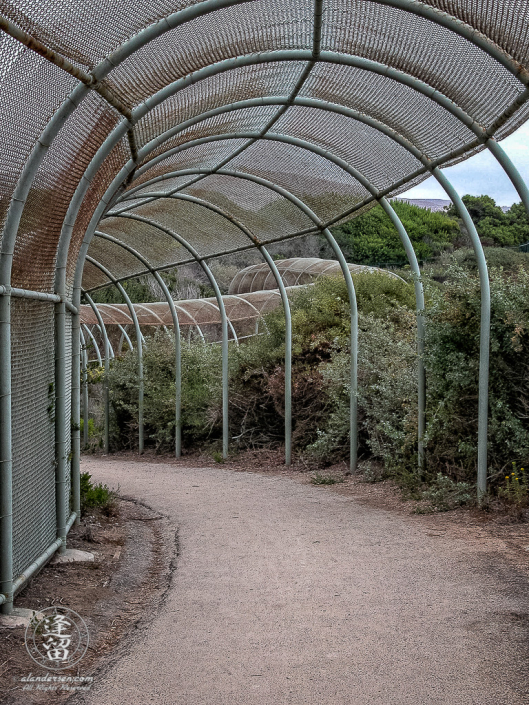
(92, 81)
(139, 346)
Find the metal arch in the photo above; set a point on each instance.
(218, 295)
(165, 24)
(84, 374)
(484, 342)
(150, 103)
(124, 336)
(285, 303)
(139, 346)
(107, 366)
(99, 211)
(176, 327)
(99, 360)
(419, 294)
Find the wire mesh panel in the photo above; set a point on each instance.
(33, 430)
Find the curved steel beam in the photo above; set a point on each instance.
(139, 346)
(124, 336)
(285, 303)
(106, 400)
(176, 328)
(224, 319)
(84, 374)
(94, 343)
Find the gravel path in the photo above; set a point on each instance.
(287, 593)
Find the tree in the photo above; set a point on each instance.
(493, 225)
(371, 238)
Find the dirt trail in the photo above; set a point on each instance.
(287, 593)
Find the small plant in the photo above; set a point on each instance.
(217, 457)
(319, 479)
(444, 494)
(516, 488)
(100, 496)
(372, 473)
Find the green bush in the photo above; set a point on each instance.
(96, 496)
(452, 363)
(201, 393)
(509, 260)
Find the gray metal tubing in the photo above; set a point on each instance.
(284, 301)
(76, 416)
(176, 329)
(110, 348)
(60, 423)
(94, 342)
(484, 342)
(6, 462)
(353, 376)
(511, 171)
(419, 305)
(84, 372)
(106, 400)
(139, 347)
(125, 335)
(22, 579)
(224, 321)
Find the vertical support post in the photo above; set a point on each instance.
(353, 408)
(484, 340)
(94, 343)
(225, 379)
(60, 423)
(84, 371)
(139, 347)
(419, 305)
(6, 459)
(76, 412)
(106, 400)
(288, 355)
(178, 364)
(511, 171)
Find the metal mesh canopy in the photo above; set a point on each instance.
(335, 102)
(149, 134)
(294, 271)
(243, 313)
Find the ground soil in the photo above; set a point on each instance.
(134, 551)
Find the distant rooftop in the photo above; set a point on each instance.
(432, 204)
(435, 204)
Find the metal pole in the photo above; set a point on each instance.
(288, 355)
(419, 305)
(511, 171)
(124, 336)
(76, 415)
(484, 336)
(6, 459)
(139, 348)
(106, 400)
(85, 388)
(94, 343)
(60, 423)
(353, 399)
(176, 329)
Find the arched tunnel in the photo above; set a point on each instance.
(139, 137)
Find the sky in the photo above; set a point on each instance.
(481, 174)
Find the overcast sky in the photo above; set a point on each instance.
(482, 174)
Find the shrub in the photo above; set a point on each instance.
(96, 496)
